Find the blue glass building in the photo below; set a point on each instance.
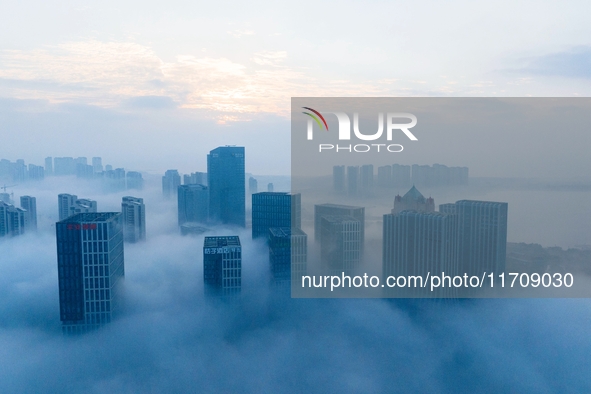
(275, 209)
(226, 181)
(193, 204)
(222, 265)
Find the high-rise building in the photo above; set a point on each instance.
(5, 197)
(134, 219)
(253, 186)
(64, 166)
(482, 235)
(84, 171)
(193, 204)
(36, 173)
(400, 175)
(415, 243)
(90, 269)
(29, 204)
(353, 180)
(12, 220)
(49, 166)
(270, 187)
(70, 205)
(340, 244)
(170, 183)
(195, 178)
(338, 210)
(385, 176)
(366, 178)
(97, 164)
(135, 180)
(222, 265)
(114, 180)
(413, 200)
(338, 178)
(288, 255)
(275, 209)
(225, 172)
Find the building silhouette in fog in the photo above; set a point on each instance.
(413, 200)
(481, 235)
(338, 178)
(226, 182)
(193, 204)
(170, 183)
(90, 269)
(133, 213)
(340, 244)
(195, 178)
(222, 265)
(253, 185)
(288, 255)
(275, 209)
(70, 204)
(29, 204)
(321, 210)
(12, 220)
(135, 180)
(353, 180)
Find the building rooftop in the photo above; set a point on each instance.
(339, 218)
(338, 206)
(284, 232)
(217, 242)
(413, 195)
(90, 217)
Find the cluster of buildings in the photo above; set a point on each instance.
(114, 179)
(360, 180)
(467, 236)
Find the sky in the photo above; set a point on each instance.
(184, 77)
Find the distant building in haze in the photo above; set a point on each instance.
(29, 204)
(413, 200)
(193, 204)
(338, 178)
(252, 186)
(133, 213)
(288, 254)
(170, 183)
(12, 220)
(321, 210)
(340, 243)
(135, 181)
(70, 204)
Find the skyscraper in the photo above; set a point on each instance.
(385, 176)
(340, 244)
(276, 209)
(338, 178)
(90, 267)
(29, 204)
(170, 183)
(288, 253)
(366, 178)
(135, 180)
(195, 178)
(12, 220)
(134, 219)
(413, 200)
(49, 166)
(353, 180)
(415, 243)
(97, 164)
(226, 180)
(70, 205)
(338, 210)
(482, 235)
(222, 265)
(253, 186)
(193, 204)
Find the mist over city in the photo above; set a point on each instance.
(191, 292)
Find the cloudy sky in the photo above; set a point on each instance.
(82, 77)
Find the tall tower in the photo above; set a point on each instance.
(415, 243)
(288, 255)
(275, 209)
(12, 220)
(340, 244)
(134, 219)
(226, 180)
(70, 204)
(321, 210)
(222, 265)
(90, 269)
(338, 178)
(413, 200)
(193, 204)
(170, 183)
(29, 204)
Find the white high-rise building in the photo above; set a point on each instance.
(29, 204)
(70, 204)
(12, 220)
(134, 219)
